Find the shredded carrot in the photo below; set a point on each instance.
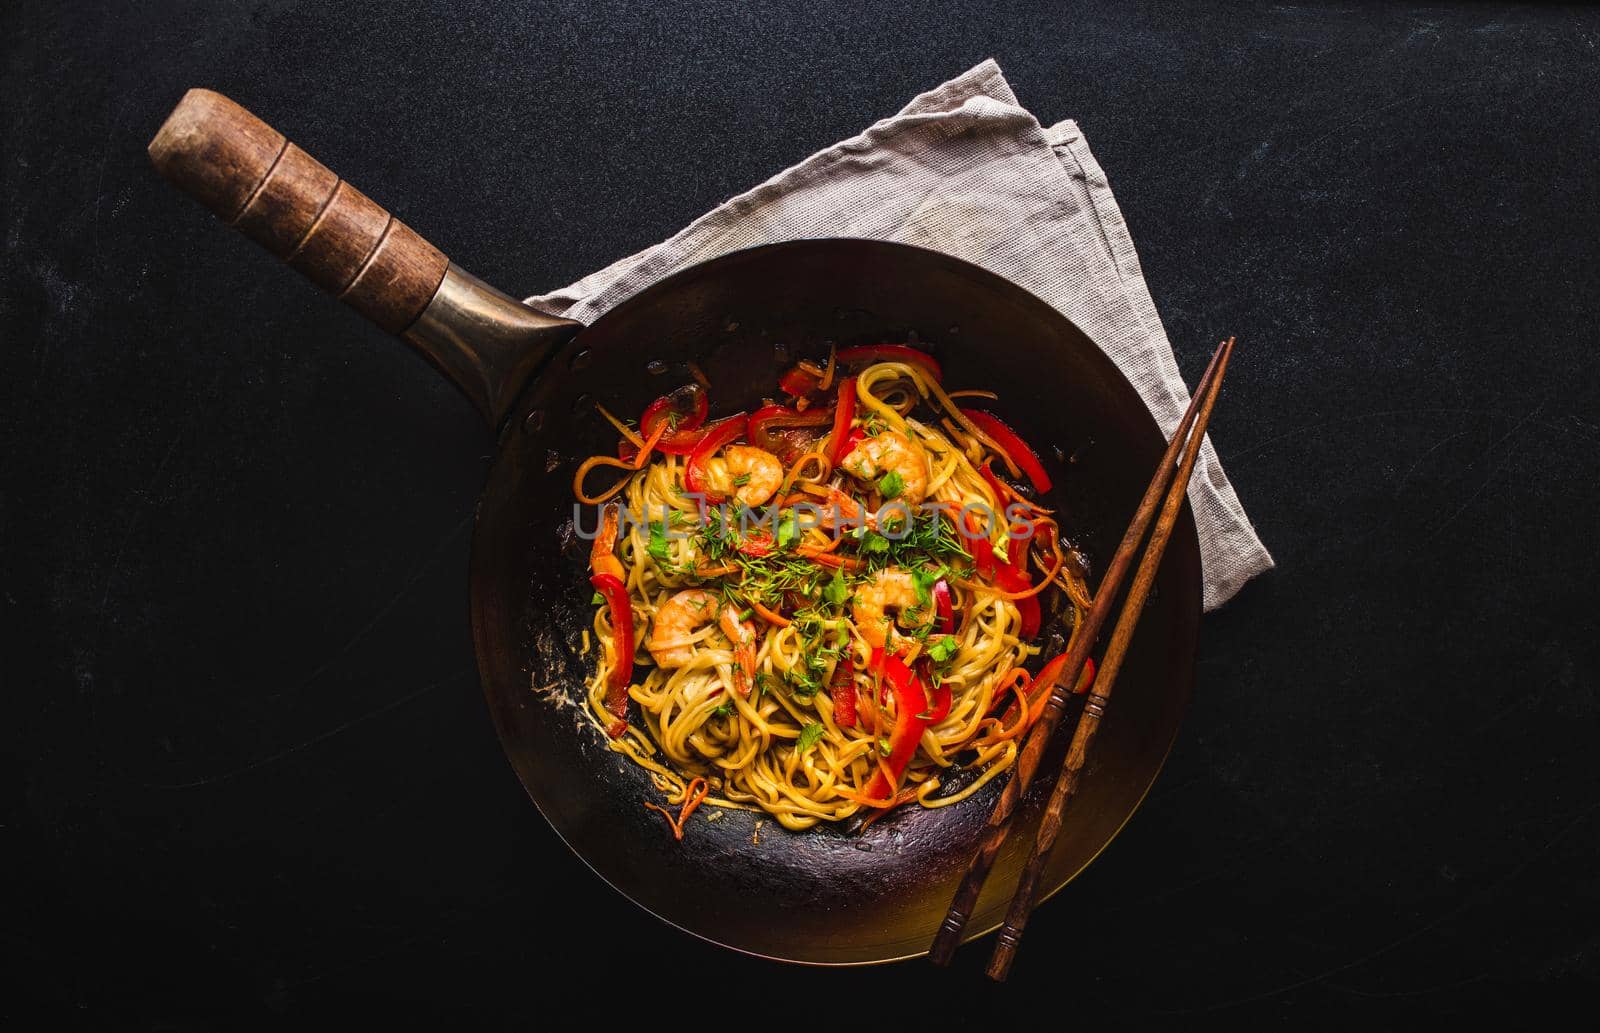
(625, 430)
(827, 559)
(1018, 682)
(770, 616)
(903, 796)
(693, 794)
(1045, 583)
(635, 464)
(865, 800)
(1012, 493)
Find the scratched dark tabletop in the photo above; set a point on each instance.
(249, 775)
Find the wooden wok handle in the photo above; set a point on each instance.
(253, 178)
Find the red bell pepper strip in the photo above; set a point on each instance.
(1027, 459)
(764, 420)
(943, 608)
(799, 382)
(844, 415)
(1010, 576)
(756, 545)
(616, 596)
(977, 543)
(1017, 549)
(681, 439)
(1002, 491)
(717, 436)
(1009, 580)
(939, 706)
(867, 354)
(843, 691)
(910, 701)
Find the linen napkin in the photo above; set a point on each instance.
(966, 170)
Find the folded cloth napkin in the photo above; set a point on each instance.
(964, 169)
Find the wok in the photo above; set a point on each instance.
(824, 896)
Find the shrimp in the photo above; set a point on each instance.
(754, 473)
(891, 588)
(743, 636)
(843, 513)
(682, 617)
(890, 452)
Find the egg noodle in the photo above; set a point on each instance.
(831, 619)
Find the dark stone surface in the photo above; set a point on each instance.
(249, 776)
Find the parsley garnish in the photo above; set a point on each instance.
(810, 735)
(943, 648)
(923, 581)
(597, 599)
(788, 530)
(836, 591)
(658, 541)
(892, 484)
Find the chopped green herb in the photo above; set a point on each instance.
(836, 591)
(597, 599)
(745, 614)
(999, 551)
(658, 541)
(741, 480)
(810, 735)
(883, 747)
(943, 648)
(788, 530)
(892, 484)
(725, 710)
(923, 581)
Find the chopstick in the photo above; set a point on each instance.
(1022, 901)
(1181, 450)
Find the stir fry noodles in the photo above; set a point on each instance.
(823, 608)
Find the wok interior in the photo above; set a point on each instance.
(820, 896)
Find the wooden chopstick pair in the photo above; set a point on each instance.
(1171, 480)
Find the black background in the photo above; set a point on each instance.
(249, 775)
